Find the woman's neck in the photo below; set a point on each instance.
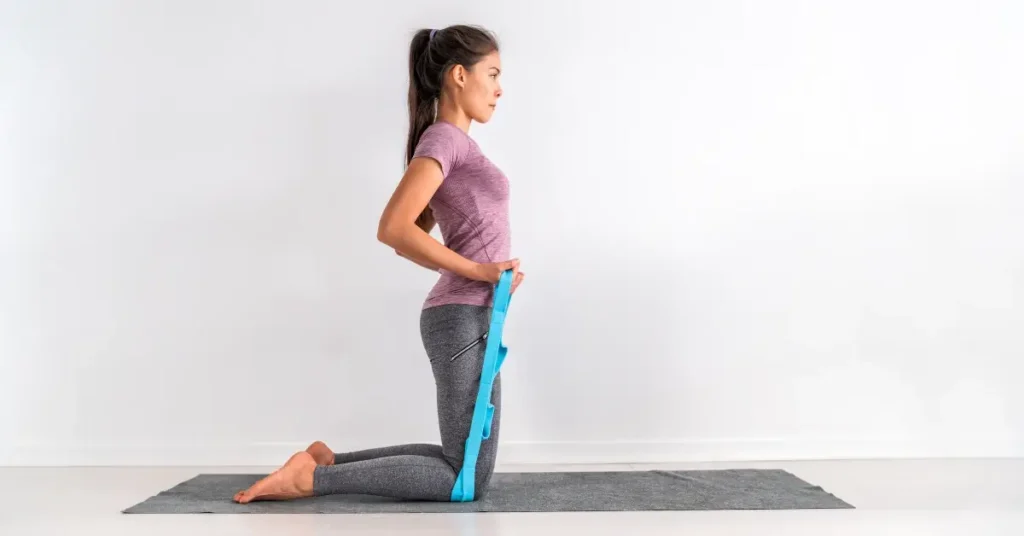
(450, 112)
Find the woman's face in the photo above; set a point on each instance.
(480, 87)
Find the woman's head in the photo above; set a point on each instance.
(458, 66)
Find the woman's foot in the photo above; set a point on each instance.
(321, 453)
(293, 481)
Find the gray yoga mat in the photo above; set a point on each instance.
(733, 489)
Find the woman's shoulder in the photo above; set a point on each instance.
(448, 134)
(446, 143)
(444, 128)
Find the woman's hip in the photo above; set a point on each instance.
(453, 331)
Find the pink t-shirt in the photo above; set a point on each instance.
(471, 210)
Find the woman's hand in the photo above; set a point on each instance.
(491, 271)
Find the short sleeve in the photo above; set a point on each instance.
(445, 143)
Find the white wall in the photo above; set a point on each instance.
(751, 230)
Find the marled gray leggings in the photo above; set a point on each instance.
(453, 337)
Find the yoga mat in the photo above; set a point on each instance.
(732, 489)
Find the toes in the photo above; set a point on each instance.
(246, 495)
(253, 492)
(250, 494)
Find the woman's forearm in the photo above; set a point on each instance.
(420, 262)
(414, 243)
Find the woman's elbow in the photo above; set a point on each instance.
(384, 234)
(388, 232)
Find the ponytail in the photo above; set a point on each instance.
(422, 100)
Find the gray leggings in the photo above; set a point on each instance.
(424, 471)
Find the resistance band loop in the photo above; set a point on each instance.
(483, 412)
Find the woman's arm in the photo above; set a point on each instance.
(426, 222)
(398, 228)
(431, 267)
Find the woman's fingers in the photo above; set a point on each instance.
(518, 279)
(511, 265)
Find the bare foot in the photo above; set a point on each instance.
(321, 453)
(293, 481)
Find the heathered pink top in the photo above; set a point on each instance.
(471, 210)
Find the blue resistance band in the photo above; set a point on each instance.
(483, 412)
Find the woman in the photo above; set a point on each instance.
(454, 80)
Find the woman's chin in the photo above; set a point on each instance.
(484, 116)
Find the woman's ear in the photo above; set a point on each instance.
(459, 76)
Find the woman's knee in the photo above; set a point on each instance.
(483, 481)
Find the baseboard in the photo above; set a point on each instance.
(523, 452)
(751, 450)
